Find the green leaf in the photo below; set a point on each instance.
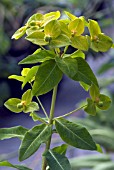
(12, 103)
(13, 132)
(36, 117)
(41, 56)
(8, 164)
(30, 76)
(84, 20)
(99, 149)
(71, 16)
(67, 65)
(105, 166)
(80, 42)
(74, 134)
(94, 28)
(19, 78)
(25, 71)
(90, 108)
(76, 27)
(85, 86)
(61, 41)
(57, 161)
(101, 43)
(52, 29)
(64, 28)
(51, 16)
(85, 74)
(19, 33)
(33, 29)
(61, 149)
(48, 76)
(78, 53)
(27, 96)
(104, 102)
(94, 92)
(37, 38)
(35, 18)
(33, 106)
(33, 139)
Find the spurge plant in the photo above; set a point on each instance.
(54, 35)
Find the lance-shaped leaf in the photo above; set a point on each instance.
(67, 65)
(13, 132)
(80, 42)
(104, 102)
(76, 27)
(61, 41)
(57, 161)
(41, 56)
(74, 134)
(91, 107)
(12, 103)
(8, 164)
(47, 77)
(33, 139)
(19, 33)
(37, 38)
(85, 74)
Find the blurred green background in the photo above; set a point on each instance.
(13, 14)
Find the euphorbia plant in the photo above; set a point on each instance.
(54, 35)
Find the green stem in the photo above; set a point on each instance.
(44, 163)
(67, 114)
(42, 107)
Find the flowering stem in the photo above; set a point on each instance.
(44, 164)
(67, 114)
(42, 108)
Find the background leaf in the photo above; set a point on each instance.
(8, 164)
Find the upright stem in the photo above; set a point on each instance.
(44, 164)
